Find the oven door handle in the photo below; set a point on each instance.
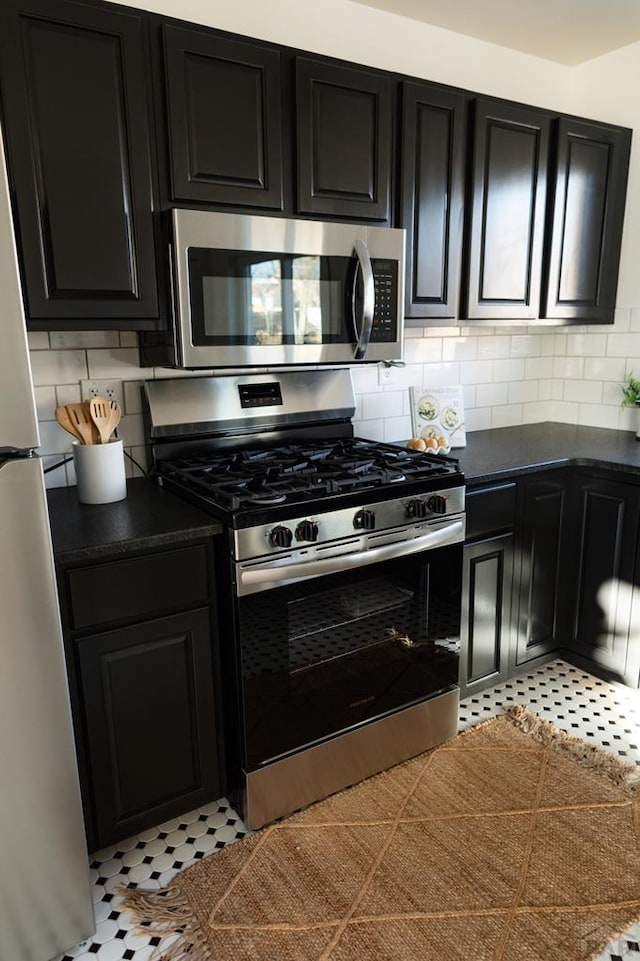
(272, 575)
(363, 331)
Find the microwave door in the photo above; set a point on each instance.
(363, 318)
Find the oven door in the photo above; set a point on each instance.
(325, 654)
(263, 291)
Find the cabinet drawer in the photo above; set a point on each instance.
(490, 509)
(137, 587)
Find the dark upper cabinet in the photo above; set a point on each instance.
(78, 143)
(589, 190)
(432, 201)
(506, 214)
(224, 118)
(344, 141)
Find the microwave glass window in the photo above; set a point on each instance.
(251, 298)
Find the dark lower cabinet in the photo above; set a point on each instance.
(486, 615)
(432, 197)
(487, 618)
(344, 141)
(588, 189)
(79, 147)
(604, 570)
(150, 720)
(140, 631)
(224, 119)
(543, 565)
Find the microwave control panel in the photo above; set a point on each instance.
(385, 313)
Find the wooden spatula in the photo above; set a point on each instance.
(63, 418)
(81, 422)
(105, 415)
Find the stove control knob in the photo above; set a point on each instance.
(437, 504)
(307, 531)
(417, 508)
(280, 537)
(364, 520)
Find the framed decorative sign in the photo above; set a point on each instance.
(437, 416)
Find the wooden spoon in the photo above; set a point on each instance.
(81, 422)
(105, 415)
(63, 418)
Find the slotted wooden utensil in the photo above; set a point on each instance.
(81, 422)
(105, 415)
(64, 419)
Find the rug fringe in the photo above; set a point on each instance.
(162, 913)
(621, 773)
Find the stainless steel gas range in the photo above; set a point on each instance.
(339, 579)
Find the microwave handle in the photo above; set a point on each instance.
(363, 330)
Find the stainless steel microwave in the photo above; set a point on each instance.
(252, 291)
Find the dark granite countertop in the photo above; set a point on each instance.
(505, 452)
(148, 517)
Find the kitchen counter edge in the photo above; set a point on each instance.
(508, 452)
(147, 518)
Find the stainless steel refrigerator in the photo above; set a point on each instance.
(45, 895)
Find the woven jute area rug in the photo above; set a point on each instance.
(512, 842)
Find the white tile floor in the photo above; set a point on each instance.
(606, 714)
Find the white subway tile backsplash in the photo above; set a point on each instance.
(53, 367)
(583, 391)
(509, 375)
(526, 345)
(427, 350)
(384, 403)
(568, 367)
(46, 402)
(508, 369)
(441, 375)
(553, 345)
(597, 415)
(538, 367)
(38, 340)
(508, 416)
(83, 339)
(491, 395)
(586, 345)
(477, 419)
(462, 348)
(477, 371)
(625, 345)
(523, 391)
(122, 362)
(491, 348)
(604, 368)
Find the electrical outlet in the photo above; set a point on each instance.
(109, 389)
(384, 374)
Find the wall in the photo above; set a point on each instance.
(510, 375)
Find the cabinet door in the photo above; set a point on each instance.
(223, 99)
(542, 575)
(75, 109)
(433, 126)
(148, 697)
(608, 515)
(486, 613)
(507, 211)
(590, 187)
(344, 136)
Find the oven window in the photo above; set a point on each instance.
(324, 655)
(250, 298)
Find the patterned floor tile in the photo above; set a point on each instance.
(605, 714)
